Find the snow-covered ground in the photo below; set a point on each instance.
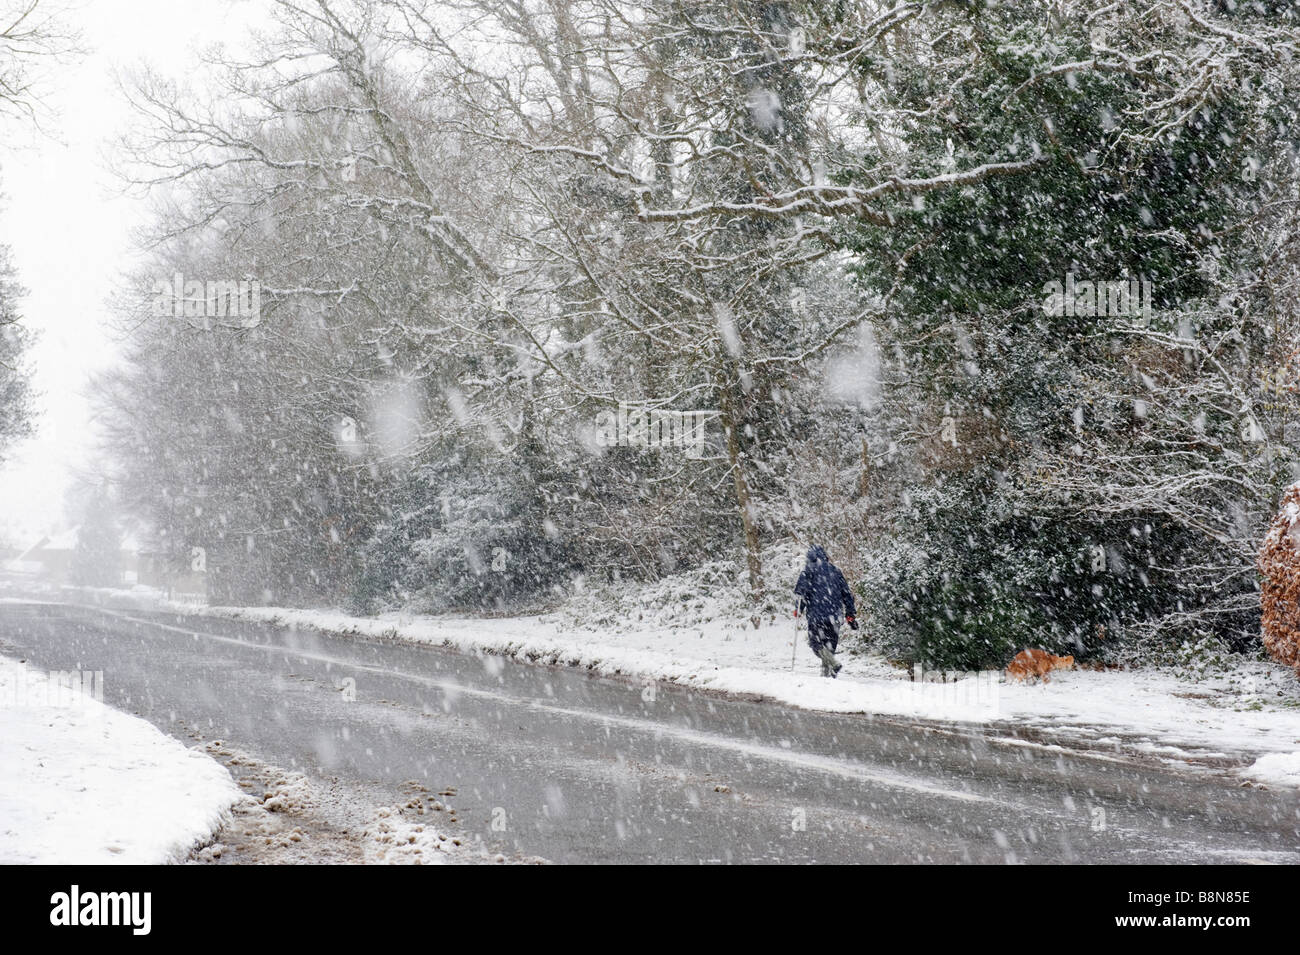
(86, 784)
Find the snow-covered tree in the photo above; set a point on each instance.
(1091, 473)
(97, 556)
(485, 229)
(16, 410)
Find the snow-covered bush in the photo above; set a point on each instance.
(716, 591)
(970, 582)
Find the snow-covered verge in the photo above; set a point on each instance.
(86, 784)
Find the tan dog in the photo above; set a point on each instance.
(1037, 663)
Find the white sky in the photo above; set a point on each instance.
(69, 227)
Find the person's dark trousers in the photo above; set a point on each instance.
(823, 632)
(824, 635)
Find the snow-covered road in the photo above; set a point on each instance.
(568, 766)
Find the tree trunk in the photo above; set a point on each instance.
(735, 458)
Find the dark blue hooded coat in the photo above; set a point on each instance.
(822, 589)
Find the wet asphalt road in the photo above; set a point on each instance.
(573, 768)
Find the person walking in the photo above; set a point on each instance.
(822, 592)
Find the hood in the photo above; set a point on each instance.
(816, 554)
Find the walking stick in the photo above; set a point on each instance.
(795, 646)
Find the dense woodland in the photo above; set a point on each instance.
(470, 231)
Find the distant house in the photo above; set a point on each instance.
(51, 561)
(48, 560)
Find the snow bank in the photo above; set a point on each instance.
(1281, 768)
(86, 784)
